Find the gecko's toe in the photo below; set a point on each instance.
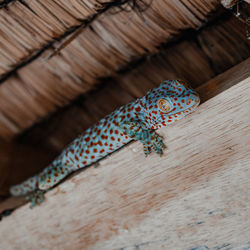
(146, 149)
(36, 198)
(158, 150)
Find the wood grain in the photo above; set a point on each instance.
(194, 197)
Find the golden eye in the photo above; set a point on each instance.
(182, 82)
(163, 105)
(189, 101)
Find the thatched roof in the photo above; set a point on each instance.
(117, 53)
(108, 44)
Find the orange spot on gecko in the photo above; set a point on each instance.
(138, 109)
(122, 117)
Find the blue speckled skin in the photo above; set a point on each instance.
(135, 121)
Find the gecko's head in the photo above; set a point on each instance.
(169, 102)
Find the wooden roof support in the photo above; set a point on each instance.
(197, 194)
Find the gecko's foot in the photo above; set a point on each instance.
(36, 198)
(146, 149)
(155, 144)
(96, 165)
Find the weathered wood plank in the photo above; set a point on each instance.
(225, 80)
(196, 195)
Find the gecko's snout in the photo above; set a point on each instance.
(196, 97)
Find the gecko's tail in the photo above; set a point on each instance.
(25, 187)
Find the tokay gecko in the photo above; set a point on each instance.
(137, 120)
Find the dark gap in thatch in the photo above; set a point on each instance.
(4, 3)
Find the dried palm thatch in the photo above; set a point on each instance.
(51, 20)
(103, 48)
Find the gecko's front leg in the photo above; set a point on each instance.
(36, 198)
(151, 141)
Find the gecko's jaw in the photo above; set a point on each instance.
(189, 109)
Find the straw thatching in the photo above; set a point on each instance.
(104, 47)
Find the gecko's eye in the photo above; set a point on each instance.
(164, 105)
(189, 101)
(185, 84)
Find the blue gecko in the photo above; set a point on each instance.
(137, 120)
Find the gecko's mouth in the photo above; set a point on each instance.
(190, 109)
(196, 104)
(186, 111)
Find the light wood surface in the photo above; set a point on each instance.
(194, 197)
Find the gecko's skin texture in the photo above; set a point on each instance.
(138, 120)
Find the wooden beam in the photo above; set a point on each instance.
(225, 80)
(197, 194)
